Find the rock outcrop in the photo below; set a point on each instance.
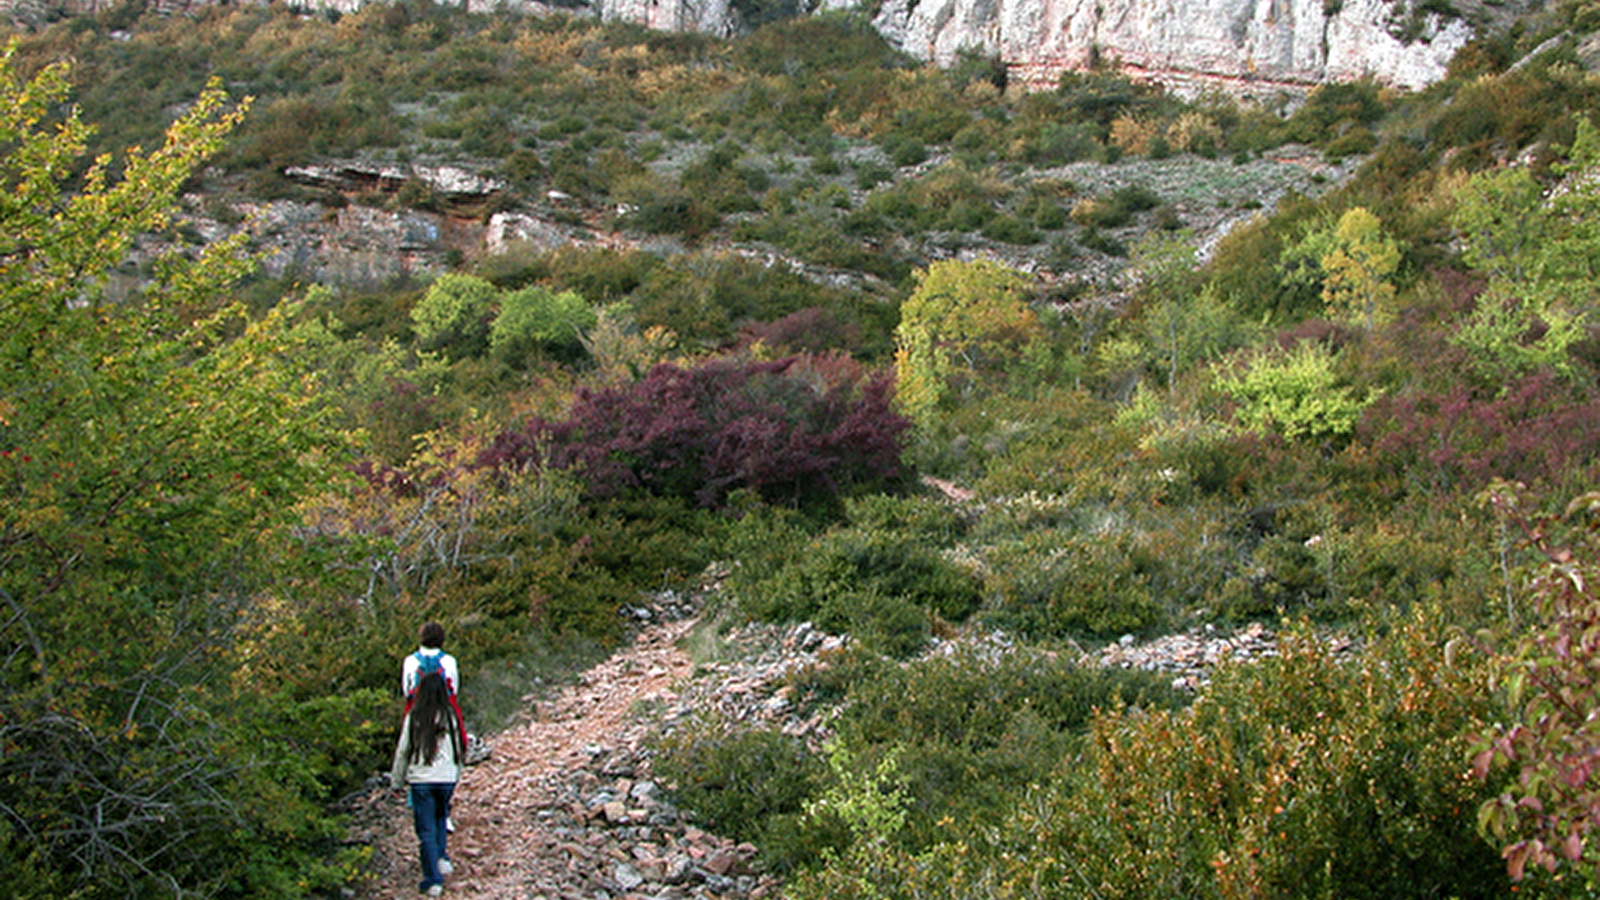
(1244, 46)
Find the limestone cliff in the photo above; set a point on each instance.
(1244, 45)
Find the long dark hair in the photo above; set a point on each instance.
(432, 716)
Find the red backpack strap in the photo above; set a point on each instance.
(461, 720)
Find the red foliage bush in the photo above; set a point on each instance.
(794, 430)
(811, 330)
(1535, 431)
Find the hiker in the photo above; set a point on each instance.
(431, 637)
(427, 764)
(431, 656)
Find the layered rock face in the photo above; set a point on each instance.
(709, 16)
(1243, 45)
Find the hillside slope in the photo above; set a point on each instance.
(1247, 47)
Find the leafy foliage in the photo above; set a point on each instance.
(799, 430)
(1358, 268)
(1456, 442)
(1545, 676)
(149, 451)
(1538, 256)
(961, 319)
(174, 513)
(884, 581)
(454, 315)
(534, 318)
(1294, 777)
(750, 784)
(975, 726)
(1296, 393)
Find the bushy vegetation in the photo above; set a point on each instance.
(797, 431)
(1297, 777)
(230, 500)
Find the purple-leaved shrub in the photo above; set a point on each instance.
(794, 430)
(1460, 439)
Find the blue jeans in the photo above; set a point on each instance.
(430, 807)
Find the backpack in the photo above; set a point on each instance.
(430, 664)
(434, 663)
(427, 664)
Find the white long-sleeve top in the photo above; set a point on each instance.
(408, 670)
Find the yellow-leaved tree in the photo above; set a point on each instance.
(148, 447)
(1358, 269)
(963, 321)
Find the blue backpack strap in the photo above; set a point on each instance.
(425, 664)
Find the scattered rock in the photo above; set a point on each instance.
(565, 808)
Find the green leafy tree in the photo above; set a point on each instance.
(869, 801)
(1569, 257)
(147, 450)
(1509, 334)
(454, 315)
(1181, 323)
(962, 321)
(387, 392)
(1542, 257)
(1298, 393)
(535, 318)
(1299, 266)
(1499, 215)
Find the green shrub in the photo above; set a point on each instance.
(1333, 110)
(1097, 214)
(903, 150)
(1099, 241)
(600, 275)
(648, 542)
(870, 174)
(1060, 143)
(454, 315)
(1010, 230)
(1047, 216)
(816, 237)
(1353, 142)
(763, 541)
(829, 680)
(1304, 776)
(884, 585)
(933, 520)
(750, 784)
(888, 625)
(672, 212)
(1298, 393)
(723, 180)
(1301, 776)
(536, 318)
(979, 723)
(1058, 584)
(825, 165)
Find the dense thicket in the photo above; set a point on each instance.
(228, 503)
(794, 432)
(149, 451)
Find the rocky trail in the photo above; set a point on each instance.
(564, 807)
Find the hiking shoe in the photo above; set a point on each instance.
(435, 891)
(445, 867)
